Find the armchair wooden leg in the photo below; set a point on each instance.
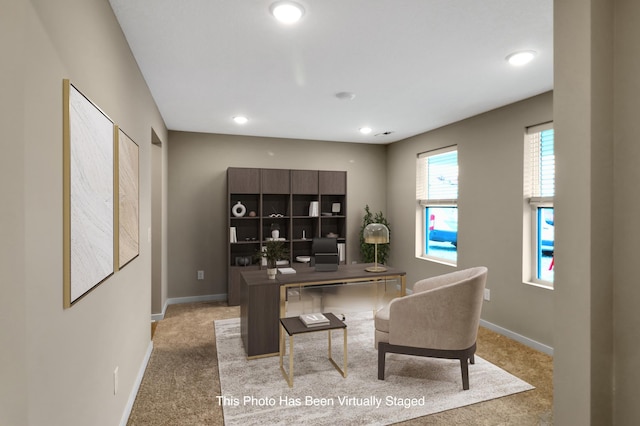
(465, 373)
(465, 356)
(472, 359)
(381, 360)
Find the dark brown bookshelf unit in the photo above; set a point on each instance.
(261, 200)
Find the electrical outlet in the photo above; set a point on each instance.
(487, 294)
(115, 381)
(201, 275)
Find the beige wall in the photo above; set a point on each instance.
(158, 224)
(579, 314)
(626, 299)
(490, 158)
(198, 213)
(597, 92)
(13, 307)
(58, 369)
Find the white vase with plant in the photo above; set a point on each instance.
(273, 251)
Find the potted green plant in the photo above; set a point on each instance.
(273, 251)
(367, 251)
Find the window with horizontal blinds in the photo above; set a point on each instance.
(437, 177)
(437, 195)
(540, 164)
(539, 190)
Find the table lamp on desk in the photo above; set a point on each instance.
(376, 233)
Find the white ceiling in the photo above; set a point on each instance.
(414, 65)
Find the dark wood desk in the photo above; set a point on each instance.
(263, 301)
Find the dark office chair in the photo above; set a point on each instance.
(324, 252)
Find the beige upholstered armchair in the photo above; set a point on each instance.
(440, 319)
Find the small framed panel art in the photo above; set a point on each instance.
(88, 191)
(127, 242)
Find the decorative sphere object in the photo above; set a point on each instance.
(252, 214)
(243, 261)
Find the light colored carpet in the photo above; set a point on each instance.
(255, 392)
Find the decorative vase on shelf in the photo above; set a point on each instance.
(275, 230)
(314, 209)
(239, 209)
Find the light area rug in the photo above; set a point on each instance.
(255, 392)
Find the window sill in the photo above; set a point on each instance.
(546, 286)
(437, 260)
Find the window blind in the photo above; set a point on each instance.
(540, 164)
(437, 177)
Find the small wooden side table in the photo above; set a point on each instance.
(293, 326)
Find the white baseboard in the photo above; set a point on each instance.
(518, 337)
(136, 386)
(190, 299)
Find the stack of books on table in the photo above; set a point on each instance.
(314, 320)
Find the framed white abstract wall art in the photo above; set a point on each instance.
(88, 191)
(127, 242)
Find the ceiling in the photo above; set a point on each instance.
(413, 65)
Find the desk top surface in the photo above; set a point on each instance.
(307, 274)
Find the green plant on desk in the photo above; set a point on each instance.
(273, 251)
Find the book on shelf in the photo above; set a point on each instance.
(314, 320)
(286, 270)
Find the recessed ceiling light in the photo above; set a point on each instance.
(521, 58)
(365, 130)
(240, 119)
(287, 12)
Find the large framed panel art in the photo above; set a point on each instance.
(88, 190)
(127, 242)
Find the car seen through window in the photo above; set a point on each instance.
(442, 232)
